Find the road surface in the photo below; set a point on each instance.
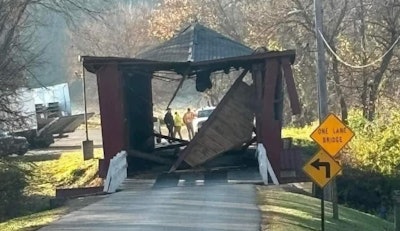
(140, 207)
(75, 138)
(184, 202)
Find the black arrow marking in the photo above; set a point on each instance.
(316, 164)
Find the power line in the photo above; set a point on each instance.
(357, 66)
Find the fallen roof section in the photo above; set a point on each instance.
(229, 126)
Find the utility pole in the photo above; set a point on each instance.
(320, 57)
(84, 101)
(330, 193)
(87, 145)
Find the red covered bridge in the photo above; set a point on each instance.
(126, 106)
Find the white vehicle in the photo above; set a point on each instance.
(201, 116)
(46, 112)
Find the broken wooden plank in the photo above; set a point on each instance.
(169, 146)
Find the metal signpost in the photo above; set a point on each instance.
(331, 135)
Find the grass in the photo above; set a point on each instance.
(93, 122)
(299, 133)
(283, 210)
(33, 221)
(67, 170)
(301, 138)
(51, 171)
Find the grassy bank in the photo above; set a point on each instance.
(93, 122)
(33, 221)
(66, 170)
(48, 172)
(299, 133)
(283, 210)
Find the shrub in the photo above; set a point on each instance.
(13, 181)
(365, 190)
(301, 138)
(376, 146)
(373, 160)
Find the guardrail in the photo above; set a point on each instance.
(117, 172)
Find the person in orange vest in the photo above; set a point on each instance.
(178, 123)
(188, 120)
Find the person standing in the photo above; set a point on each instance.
(169, 121)
(178, 123)
(188, 120)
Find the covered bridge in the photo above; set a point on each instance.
(126, 106)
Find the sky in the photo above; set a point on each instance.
(53, 39)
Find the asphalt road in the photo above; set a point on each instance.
(196, 208)
(184, 202)
(72, 142)
(75, 139)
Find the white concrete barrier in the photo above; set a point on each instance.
(117, 172)
(264, 165)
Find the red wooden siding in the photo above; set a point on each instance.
(109, 81)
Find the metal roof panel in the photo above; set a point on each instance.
(196, 43)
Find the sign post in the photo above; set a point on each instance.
(331, 135)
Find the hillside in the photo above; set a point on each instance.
(283, 210)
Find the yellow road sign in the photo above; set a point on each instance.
(322, 168)
(332, 134)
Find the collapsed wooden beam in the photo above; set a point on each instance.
(248, 143)
(150, 156)
(171, 138)
(170, 146)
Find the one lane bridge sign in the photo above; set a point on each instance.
(322, 168)
(332, 135)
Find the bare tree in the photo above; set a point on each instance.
(18, 47)
(121, 31)
(16, 58)
(359, 32)
(222, 15)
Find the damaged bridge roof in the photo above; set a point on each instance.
(196, 43)
(197, 48)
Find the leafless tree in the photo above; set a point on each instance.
(121, 31)
(18, 47)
